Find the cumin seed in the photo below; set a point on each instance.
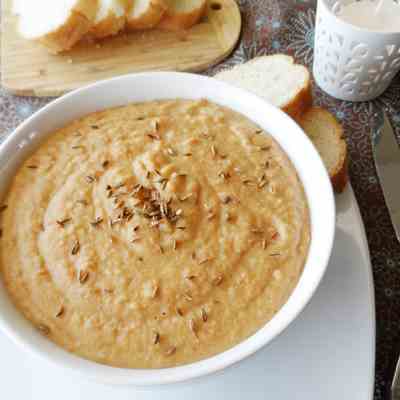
(275, 235)
(218, 280)
(170, 351)
(90, 179)
(32, 167)
(96, 222)
(60, 312)
(83, 277)
(44, 329)
(76, 247)
(228, 217)
(210, 216)
(262, 184)
(62, 222)
(264, 148)
(152, 136)
(156, 338)
(225, 199)
(188, 196)
(204, 315)
(171, 151)
(179, 311)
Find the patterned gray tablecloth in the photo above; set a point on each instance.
(272, 26)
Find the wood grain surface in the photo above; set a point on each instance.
(29, 69)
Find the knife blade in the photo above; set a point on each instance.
(386, 153)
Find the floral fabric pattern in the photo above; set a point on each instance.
(287, 26)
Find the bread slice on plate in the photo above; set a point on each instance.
(327, 135)
(275, 78)
(182, 14)
(287, 85)
(110, 18)
(145, 14)
(57, 24)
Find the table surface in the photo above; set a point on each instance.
(287, 26)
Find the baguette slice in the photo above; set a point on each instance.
(110, 18)
(327, 135)
(275, 78)
(182, 14)
(145, 14)
(57, 24)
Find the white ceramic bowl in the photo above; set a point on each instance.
(167, 85)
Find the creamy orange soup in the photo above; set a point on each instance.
(155, 234)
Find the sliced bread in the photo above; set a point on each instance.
(327, 135)
(182, 14)
(57, 24)
(110, 18)
(275, 78)
(145, 14)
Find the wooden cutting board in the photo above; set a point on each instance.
(28, 68)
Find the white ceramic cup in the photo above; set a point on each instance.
(169, 85)
(352, 63)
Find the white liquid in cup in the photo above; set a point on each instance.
(381, 15)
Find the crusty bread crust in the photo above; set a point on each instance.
(179, 21)
(109, 26)
(339, 174)
(149, 19)
(68, 34)
(301, 103)
(341, 177)
(75, 27)
(303, 100)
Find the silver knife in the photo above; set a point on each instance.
(387, 161)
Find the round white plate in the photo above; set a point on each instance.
(327, 353)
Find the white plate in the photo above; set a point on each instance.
(327, 353)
